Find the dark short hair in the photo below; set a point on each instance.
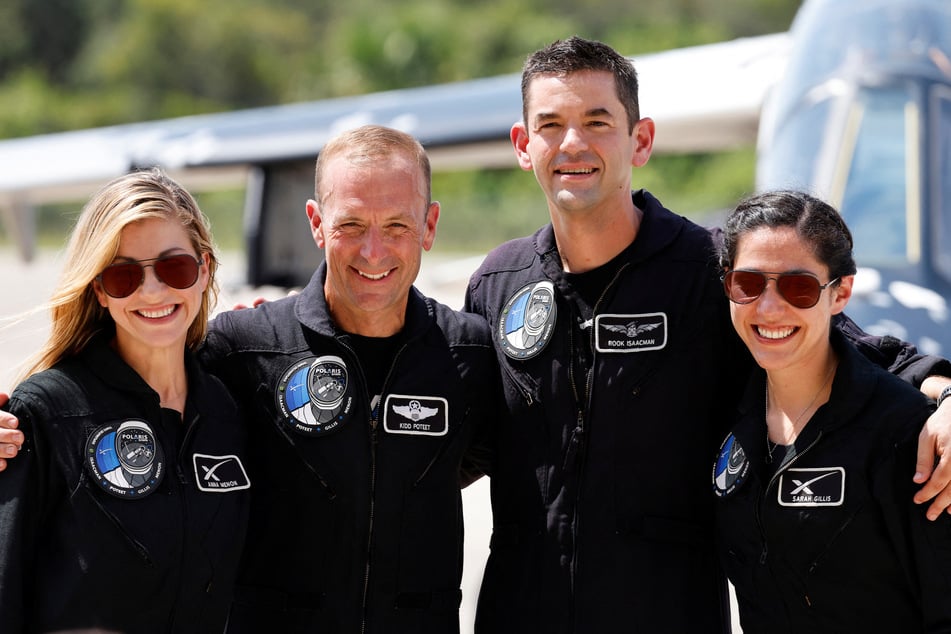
(575, 54)
(816, 222)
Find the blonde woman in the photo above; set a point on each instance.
(126, 511)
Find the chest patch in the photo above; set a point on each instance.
(125, 459)
(730, 468)
(220, 474)
(527, 320)
(630, 333)
(823, 486)
(313, 395)
(416, 415)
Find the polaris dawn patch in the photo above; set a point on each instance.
(730, 468)
(819, 486)
(630, 333)
(527, 320)
(416, 415)
(314, 396)
(125, 459)
(220, 474)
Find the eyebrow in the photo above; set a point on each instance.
(401, 215)
(799, 271)
(600, 111)
(169, 251)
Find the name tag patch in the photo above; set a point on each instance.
(822, 486)
(416, 415)
(630, 333)
(220, 474)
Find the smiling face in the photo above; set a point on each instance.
(373, 222)
(578, 141)
(780, 336)
(155, 316)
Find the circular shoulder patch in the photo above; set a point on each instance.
(125, 459)
(527, 320)
(731, 467)
(313, 395)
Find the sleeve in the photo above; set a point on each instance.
(474, 299)
(898, 357)
(21, 501)
(216, 346)
(924, 546)
(468, 304)
(480, 454)
(217, 357)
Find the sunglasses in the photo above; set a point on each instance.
(801, 290)
(123, 278)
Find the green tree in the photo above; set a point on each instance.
(180, 57)
(70, 64)
(41, 34)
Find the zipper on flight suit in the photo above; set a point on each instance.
(759, 504)
(576, 448)
(374, 440)
(134, 543)
(140, 549)
(374, 421)
(525, 392)
(183, 503)
(292, 443)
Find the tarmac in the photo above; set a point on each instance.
(24, 286)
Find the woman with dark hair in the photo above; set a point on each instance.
(127, 509)
(816, 523)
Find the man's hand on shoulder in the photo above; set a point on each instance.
(11, 438)
(257, 301)
(933, 468)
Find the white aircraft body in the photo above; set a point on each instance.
(853, 104)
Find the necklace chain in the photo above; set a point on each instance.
(770, 445)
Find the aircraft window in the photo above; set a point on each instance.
(850, 35)
(875, 202)
(791, 161)
(941, 185)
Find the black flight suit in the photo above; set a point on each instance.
(158, 556)
(358, 526)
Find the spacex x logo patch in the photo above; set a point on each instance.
(416, 415)
(823, 486)
(220, 474)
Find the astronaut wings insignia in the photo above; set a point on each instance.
(632, 329)
(415, 410)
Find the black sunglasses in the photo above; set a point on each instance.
(123, 278)
(802, 290)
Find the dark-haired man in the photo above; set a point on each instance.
(619, 366)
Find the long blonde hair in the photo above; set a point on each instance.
(75, 314)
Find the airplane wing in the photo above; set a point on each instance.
(702, 98)
(708, 98)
